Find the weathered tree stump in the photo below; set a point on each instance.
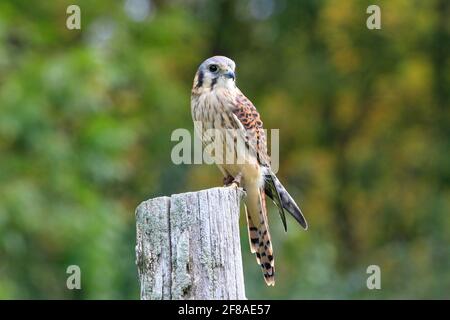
(188, 246)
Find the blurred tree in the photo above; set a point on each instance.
(86, 117)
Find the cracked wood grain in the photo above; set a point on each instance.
(188, 246)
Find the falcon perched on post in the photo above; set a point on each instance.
(232, 132)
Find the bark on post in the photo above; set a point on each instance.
(188, 246)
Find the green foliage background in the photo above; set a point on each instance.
(86, 117)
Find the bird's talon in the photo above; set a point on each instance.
(237, 180)
(227, 181)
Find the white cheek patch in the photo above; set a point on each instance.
(222, 82)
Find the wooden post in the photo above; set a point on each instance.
(188, 246)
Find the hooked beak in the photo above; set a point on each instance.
(229, 75)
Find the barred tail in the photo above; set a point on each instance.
(259, 236)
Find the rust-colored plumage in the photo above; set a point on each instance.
(217, 104)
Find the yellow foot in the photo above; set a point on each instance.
(237, 181)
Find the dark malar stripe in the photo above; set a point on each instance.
(213, 83)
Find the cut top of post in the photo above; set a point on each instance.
(188, 246)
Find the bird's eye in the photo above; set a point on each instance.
(213, 68)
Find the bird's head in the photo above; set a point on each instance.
(215, 72)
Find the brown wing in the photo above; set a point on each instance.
(247, 115)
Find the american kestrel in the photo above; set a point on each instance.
(231, 129)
